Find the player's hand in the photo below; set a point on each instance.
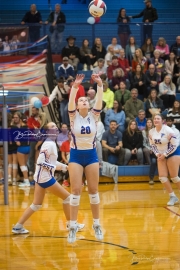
(160, 157)
(78, 80)
(96, 78)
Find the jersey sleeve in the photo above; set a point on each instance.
(72, 115)
(44, 155)
(60, 166)
(95, 113)
(172, 145)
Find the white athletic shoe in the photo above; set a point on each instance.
(24, 184)
(72, 234)
(19, 230)
(173, 200)
(79, 225)
(98, 232)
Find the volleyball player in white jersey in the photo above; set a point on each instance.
(165, 146)
(83, 155)
(44, 179)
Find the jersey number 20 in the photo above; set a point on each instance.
(85, 130)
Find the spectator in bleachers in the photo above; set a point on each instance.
(122, 94)
(23, 149)
(71, 51)
(98, 50)
(148, 48)
(57, 19)
(1, 45)
(118, 76)
(123, 62)
(133, 105)
(108, 96)
(137, 80)
(149, 15)
(130, 49)
(111, 69)
(115, 45)
(169, 64)
(108, 57)
(176, 72)
(33, 17)
(103, 112)
(175, 113)
(115, 113)
(175, 48)
(167, 92)
(14, 43)
(91, 95)
(100, 69)
(65, 154)
(141, 120)
(63, 135)
(139, 59)
(146, 145)
(100, 131)
(132, 142)
(112, 143)
(61, 92)
(151, 79)
(86, 56)
(163, 48)
(123, 28)
(170, 123)
(33, 123)
(65, 69)
(159, 64)
(154, 105)
(6, 44)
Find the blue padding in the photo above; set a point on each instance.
(112, 159)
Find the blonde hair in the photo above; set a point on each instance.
(115, 72)
(140, 56)
(172, 85)
(163, 40)
(130, 133)
(100, 47)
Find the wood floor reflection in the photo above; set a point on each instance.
(140, 231)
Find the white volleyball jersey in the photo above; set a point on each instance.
(164, 141)
(47, 162)
(83, 129)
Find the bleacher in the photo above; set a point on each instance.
(168, 26)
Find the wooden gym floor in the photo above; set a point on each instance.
(140, 231)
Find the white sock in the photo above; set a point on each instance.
(172, 194)
(26, 180)
(14, 179)
(72, 223)
(18, 226)
(9, 176)
(96, 221)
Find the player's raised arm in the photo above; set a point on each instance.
(98, 104)
(75, 87)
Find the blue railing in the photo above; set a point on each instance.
(105, 31)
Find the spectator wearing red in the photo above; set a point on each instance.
(65, 154)
(123, 62)
(115, 64)
(139, 59)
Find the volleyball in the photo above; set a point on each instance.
(97, 8)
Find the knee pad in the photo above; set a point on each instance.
(35, 207)
(175, 179)
(67, 200)
(15, 166)
(163, 179)
(10, 165)
(74, 200)
(94, 198)
(23, 168)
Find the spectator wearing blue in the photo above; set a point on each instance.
(115, 46)
(65, 69)
(112, 143)
(141, 120)
(117, 114)
(57, 19)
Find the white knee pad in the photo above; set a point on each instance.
(74, 200)
(94, 198)
(175, 179)
(23, 168)
(67, 200)
(15, 166)
(10, 165)
(35, 207)
(163, 179)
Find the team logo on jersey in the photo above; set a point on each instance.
(162, 134)
(88, 119)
